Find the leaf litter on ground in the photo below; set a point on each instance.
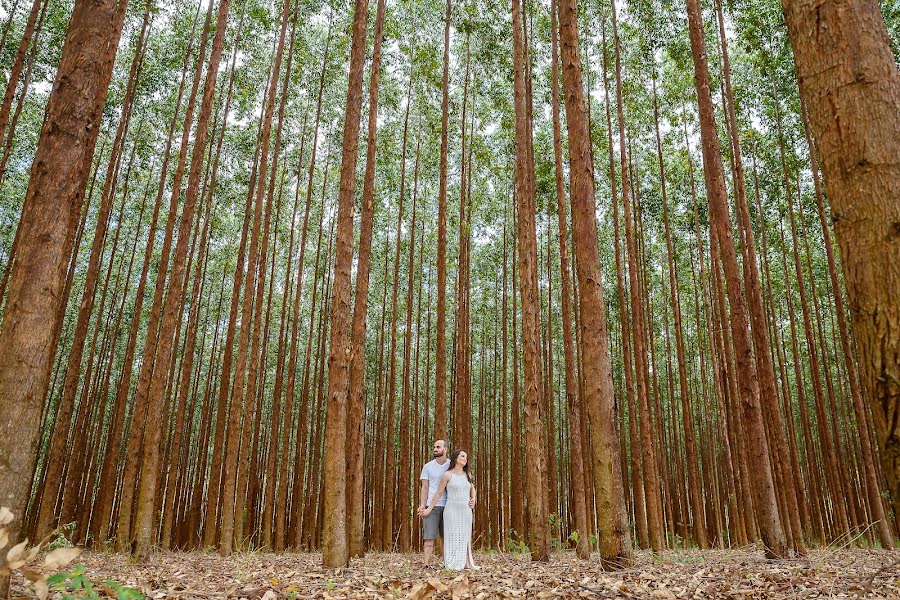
(738, 574)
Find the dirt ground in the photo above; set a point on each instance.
(743, 573)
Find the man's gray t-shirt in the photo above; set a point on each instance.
(433, 472)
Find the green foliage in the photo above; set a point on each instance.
(75, 584)
(516, 544)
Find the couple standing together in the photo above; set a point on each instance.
(445, 480)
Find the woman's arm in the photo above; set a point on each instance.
(473, 496)
(437, 494)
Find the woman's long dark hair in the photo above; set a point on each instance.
(453, 456)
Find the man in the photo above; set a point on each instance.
(433, 524)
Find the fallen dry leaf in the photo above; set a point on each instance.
(61, 557)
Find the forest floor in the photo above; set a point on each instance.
(741, 573)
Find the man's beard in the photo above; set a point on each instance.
(438, 454)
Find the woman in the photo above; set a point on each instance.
(461, 500)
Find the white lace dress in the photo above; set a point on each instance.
(458, 524)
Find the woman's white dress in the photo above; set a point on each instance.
(458, 524)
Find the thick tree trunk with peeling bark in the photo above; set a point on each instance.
(47, 229)
(850, 85)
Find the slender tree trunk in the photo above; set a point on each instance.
(440, 357)
(18, 64)
(517, 507)
(357, 391)
(404, 539)
(336, 552)
(572, 401)
(762, 484)
(690, 442)
(389, 529)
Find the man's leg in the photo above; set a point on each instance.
(428, 547)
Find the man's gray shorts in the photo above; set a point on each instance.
(433, 524)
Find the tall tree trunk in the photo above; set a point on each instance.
(336, 552)
(389, 529)
(47, 229)
(18, 64)
(720, 222)
(576, 464)
(62, 424)
(651, 470)
(535, 471)
(461, 433)
(615, 545)
(850, 85)
(761, 341)
(440, 356)
(357, 391)
(873, 486)
(637, 482)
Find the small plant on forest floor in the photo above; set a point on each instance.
(63, 535)
(686, 559)
(22, 559)
(74, 584)
(516, 544)
(573, 539)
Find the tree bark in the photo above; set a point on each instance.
(357, 391)
(763, 486)
(336, 552)
(47, 229)
(850, 85)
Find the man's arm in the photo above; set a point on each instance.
(423, 494)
